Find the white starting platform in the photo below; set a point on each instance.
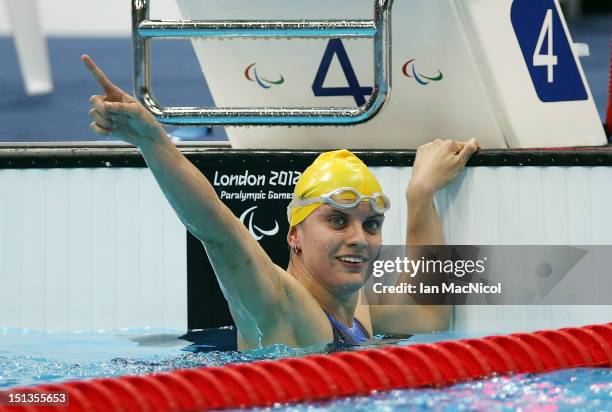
(502, 71)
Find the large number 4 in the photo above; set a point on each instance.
(335, 47)
(549, 59)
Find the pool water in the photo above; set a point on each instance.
(567, 390)
(30, 358)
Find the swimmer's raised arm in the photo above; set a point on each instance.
(436, 164)
(248, 276)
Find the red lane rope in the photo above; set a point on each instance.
(608, 123)
(318, 377)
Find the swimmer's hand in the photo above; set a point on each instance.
(437, 163)
(118, 114)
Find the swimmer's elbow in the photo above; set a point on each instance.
(207, 240)
(218, 235)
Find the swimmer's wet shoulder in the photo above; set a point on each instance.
(299, 321)
(296, 319)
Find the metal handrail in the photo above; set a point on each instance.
(379, 29)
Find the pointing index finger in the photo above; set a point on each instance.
(99, 76)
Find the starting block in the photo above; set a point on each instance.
(502, 71)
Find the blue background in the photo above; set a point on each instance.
(527, 19)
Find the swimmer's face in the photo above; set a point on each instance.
(338, 245)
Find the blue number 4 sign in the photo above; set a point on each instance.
(547, 51)
(335, 47)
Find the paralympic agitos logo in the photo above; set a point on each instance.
(257, 232)
(409, 70)
(251, 74)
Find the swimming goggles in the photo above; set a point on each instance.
(346, 198)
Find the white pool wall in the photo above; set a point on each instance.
(89, 249)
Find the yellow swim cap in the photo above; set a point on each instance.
(330, 171)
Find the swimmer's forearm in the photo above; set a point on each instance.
(425, 228)
(424, 225)
(186, 188)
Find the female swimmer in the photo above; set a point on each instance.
(336, 219)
